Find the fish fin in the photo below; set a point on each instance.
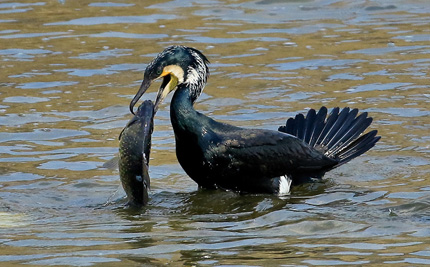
(112, 164)
(145, 182)
(145, 172)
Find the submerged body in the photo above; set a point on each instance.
(219, 155)
(134, 149)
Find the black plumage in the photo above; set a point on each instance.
(219, 155)
(335, 136)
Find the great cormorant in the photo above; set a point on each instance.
(219, 155)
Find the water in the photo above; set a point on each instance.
(69, 69)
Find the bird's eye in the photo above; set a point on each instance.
(159, 71)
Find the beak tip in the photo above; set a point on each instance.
(143, 87)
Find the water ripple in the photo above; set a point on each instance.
(114, 20)
(128, 35)
(71, 68)
(41, 134)
(315, 64)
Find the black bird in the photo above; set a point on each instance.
(219, 155)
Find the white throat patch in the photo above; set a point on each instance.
(177, 71)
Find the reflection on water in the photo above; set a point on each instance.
(70, 68)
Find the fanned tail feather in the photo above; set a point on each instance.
(339, 136)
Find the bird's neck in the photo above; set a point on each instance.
(182, 113)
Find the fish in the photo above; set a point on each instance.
(134, 151)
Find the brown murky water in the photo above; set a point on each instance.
(69, 69)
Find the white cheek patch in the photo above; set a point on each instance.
(175, 70)
(284, 185)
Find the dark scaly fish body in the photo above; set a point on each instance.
(134, 149)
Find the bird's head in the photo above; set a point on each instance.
(177, 65)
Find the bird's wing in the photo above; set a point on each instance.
(268, 153)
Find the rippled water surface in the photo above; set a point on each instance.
(70, 68)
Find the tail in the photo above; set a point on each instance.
(339, 136)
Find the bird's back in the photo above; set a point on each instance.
(222, 155)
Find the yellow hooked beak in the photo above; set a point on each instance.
(169, 84)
